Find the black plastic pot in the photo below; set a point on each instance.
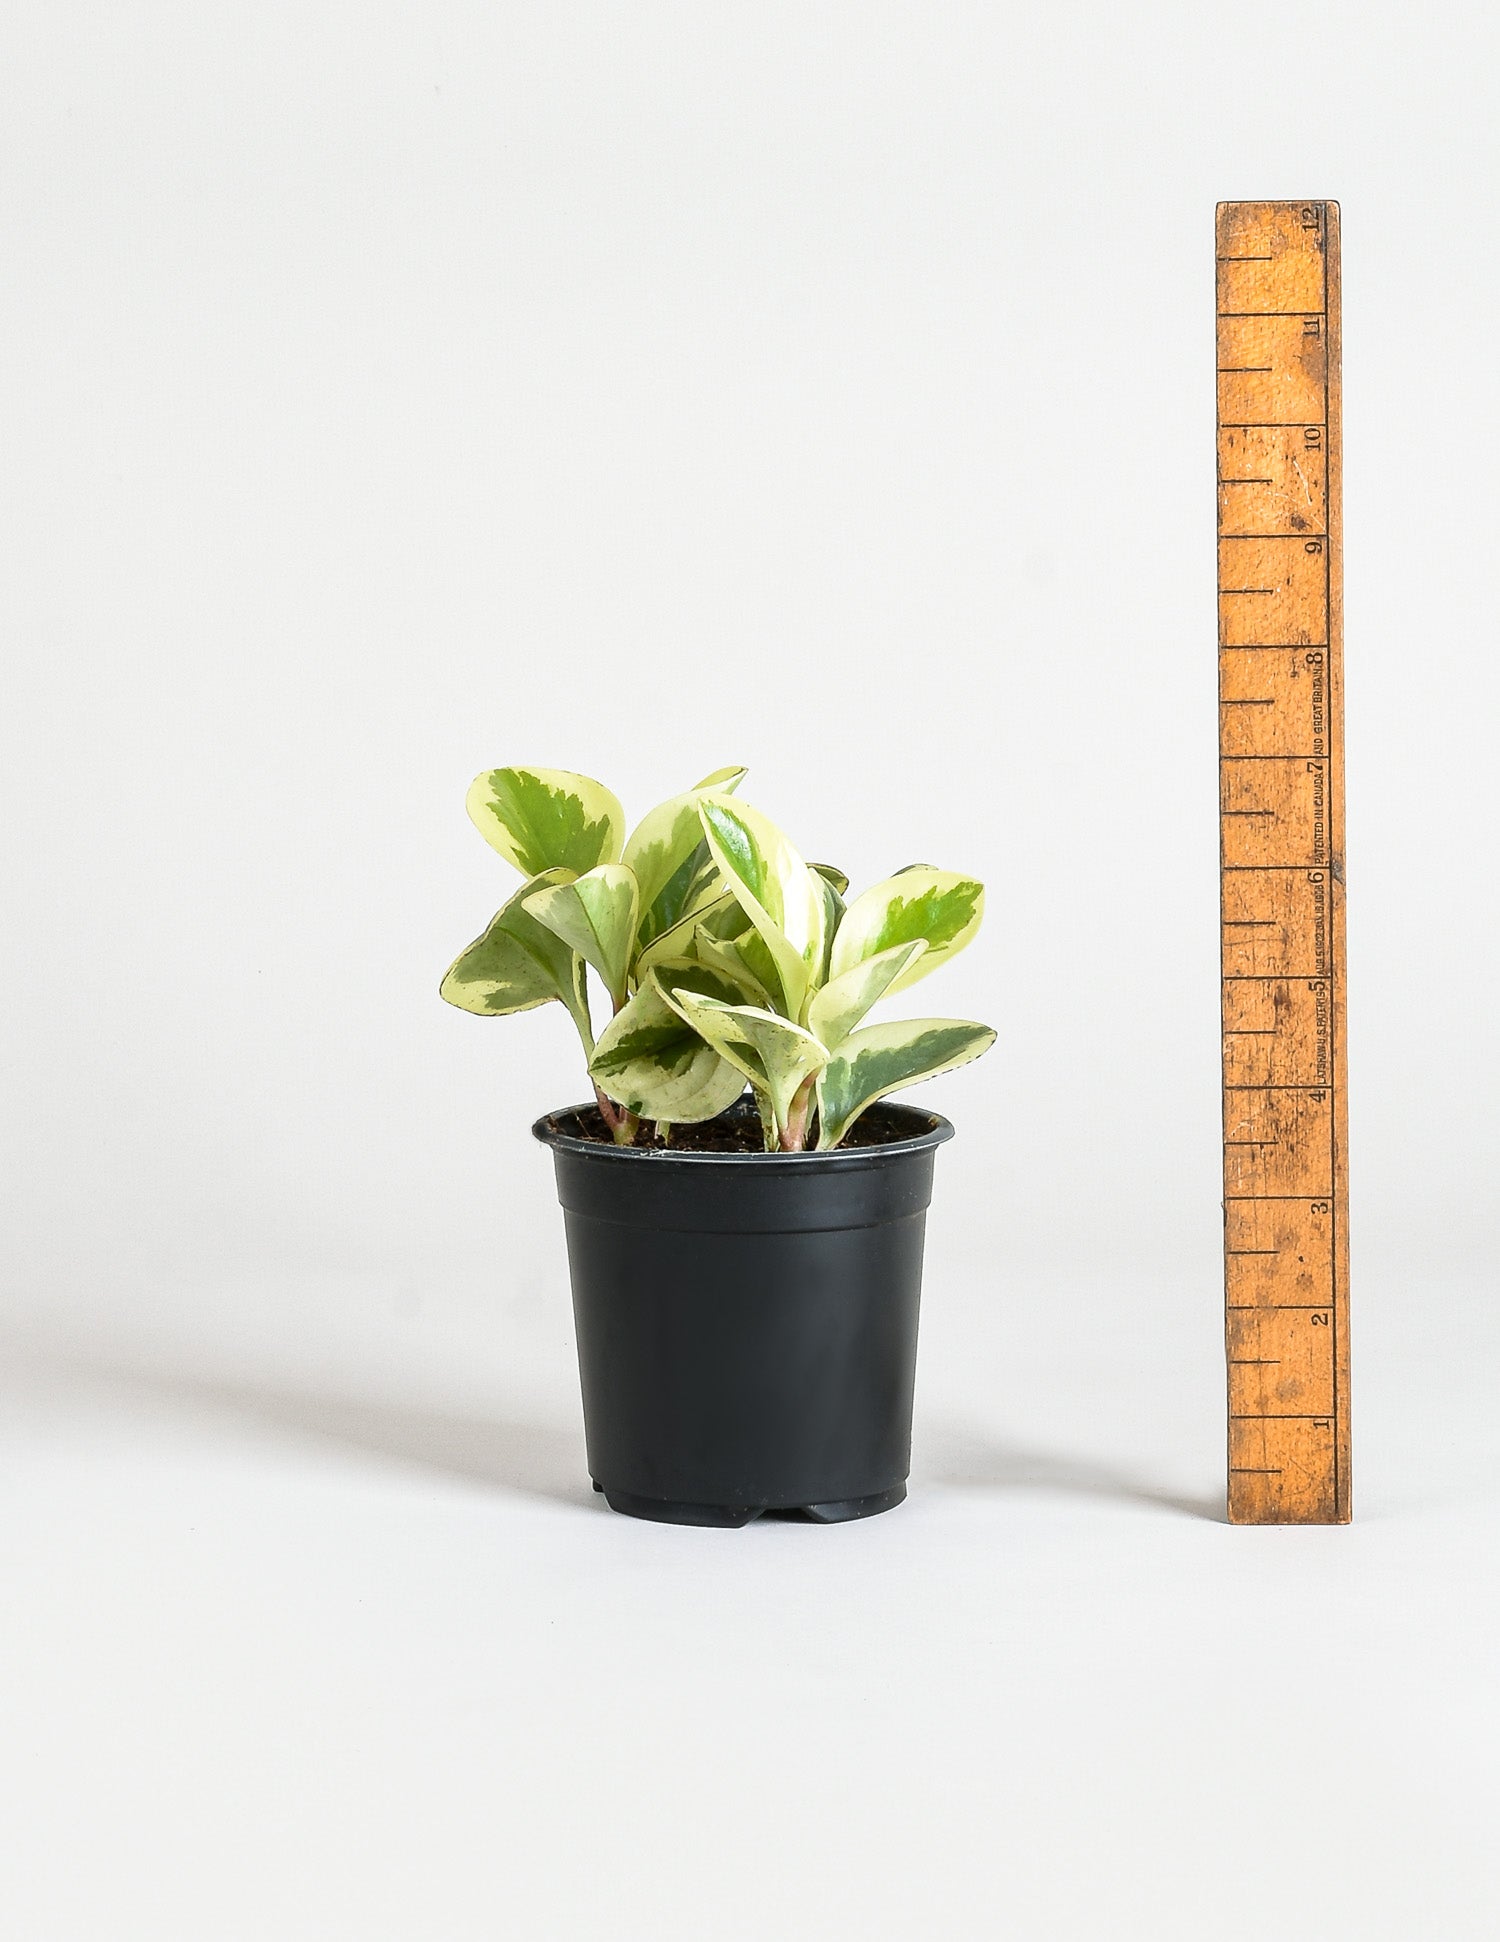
(747, 1322)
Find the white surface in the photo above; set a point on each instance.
(280, 1663)
(395, 391)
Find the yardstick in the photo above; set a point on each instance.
(1281, 855)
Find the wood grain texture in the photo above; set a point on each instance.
(1281, 767)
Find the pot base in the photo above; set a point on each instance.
(733, 1516)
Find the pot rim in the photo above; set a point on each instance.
(931, 1131)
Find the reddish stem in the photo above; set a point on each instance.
(794, 1132)
(620, 1121)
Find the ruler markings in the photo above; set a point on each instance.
(1281, 839)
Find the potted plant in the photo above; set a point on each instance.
(744, 1220)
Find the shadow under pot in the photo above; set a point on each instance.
(747, 1322)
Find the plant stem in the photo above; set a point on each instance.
(794, 1132)
(619, 1119)
(622, 1123)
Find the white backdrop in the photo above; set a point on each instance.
(395, 391)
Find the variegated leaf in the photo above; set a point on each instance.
(652, 1061)
(833, 916)
(940, 907)
(844, 1000)
(775, 1055)
(726, 781)
(758, 961)
(703, 980)
(677, 942)
(883, 1058)
(781, 896)
(670, 858)
(519, 963)
(834, 875)
(725, 918)
(545, 819)
(728, 956)
(595, 915)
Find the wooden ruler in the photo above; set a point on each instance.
(1286, 1187)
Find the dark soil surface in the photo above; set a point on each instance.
(737, 1131)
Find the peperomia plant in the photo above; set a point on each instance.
(727, 959)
